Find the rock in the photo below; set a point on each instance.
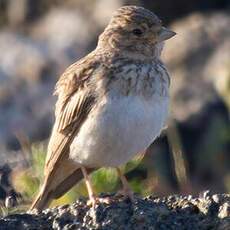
(25, 67)
(22, 58)
(8, 196)
(199, 53)
(173, 212)
(218, 70)
(30, 66)
(224, 210)
(68, 41)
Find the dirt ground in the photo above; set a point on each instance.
(173, 212)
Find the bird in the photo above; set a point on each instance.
(111, 104)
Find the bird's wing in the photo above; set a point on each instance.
(74, 103)
(75, 100)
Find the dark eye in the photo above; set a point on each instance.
(137, 32)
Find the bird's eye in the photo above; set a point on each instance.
(137, 32)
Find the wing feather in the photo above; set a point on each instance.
(75, 101)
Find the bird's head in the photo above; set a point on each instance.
(135, 31)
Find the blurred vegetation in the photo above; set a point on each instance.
(27, 181)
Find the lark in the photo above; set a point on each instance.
(112, 104)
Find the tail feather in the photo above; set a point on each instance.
(42, 200)
(69, 182)
(49, 192)
(60, 172)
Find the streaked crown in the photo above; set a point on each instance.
(128, 14)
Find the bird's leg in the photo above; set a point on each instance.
(93, 200)
(89, 187)
(127, 191)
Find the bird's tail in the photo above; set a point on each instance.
(42, 200)
(53, 190)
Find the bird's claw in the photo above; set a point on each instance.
(93, 201)
(127, 192)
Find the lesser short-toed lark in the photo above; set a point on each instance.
(111, 104)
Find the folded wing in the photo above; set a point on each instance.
(73, 105)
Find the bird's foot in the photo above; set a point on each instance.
(127, 192)
(93, 201)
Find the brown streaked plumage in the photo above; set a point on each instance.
(123, 72)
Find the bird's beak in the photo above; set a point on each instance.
(165, 34)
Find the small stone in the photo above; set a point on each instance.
(216, 198)
(204, 194)
(224, 210)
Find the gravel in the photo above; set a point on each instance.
(173, 212)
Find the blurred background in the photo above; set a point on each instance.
(40, 38)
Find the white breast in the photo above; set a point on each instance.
(118, 129)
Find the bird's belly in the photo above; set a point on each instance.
(118, 130)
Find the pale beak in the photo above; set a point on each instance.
(165, 34)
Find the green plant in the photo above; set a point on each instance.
(27, 180)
